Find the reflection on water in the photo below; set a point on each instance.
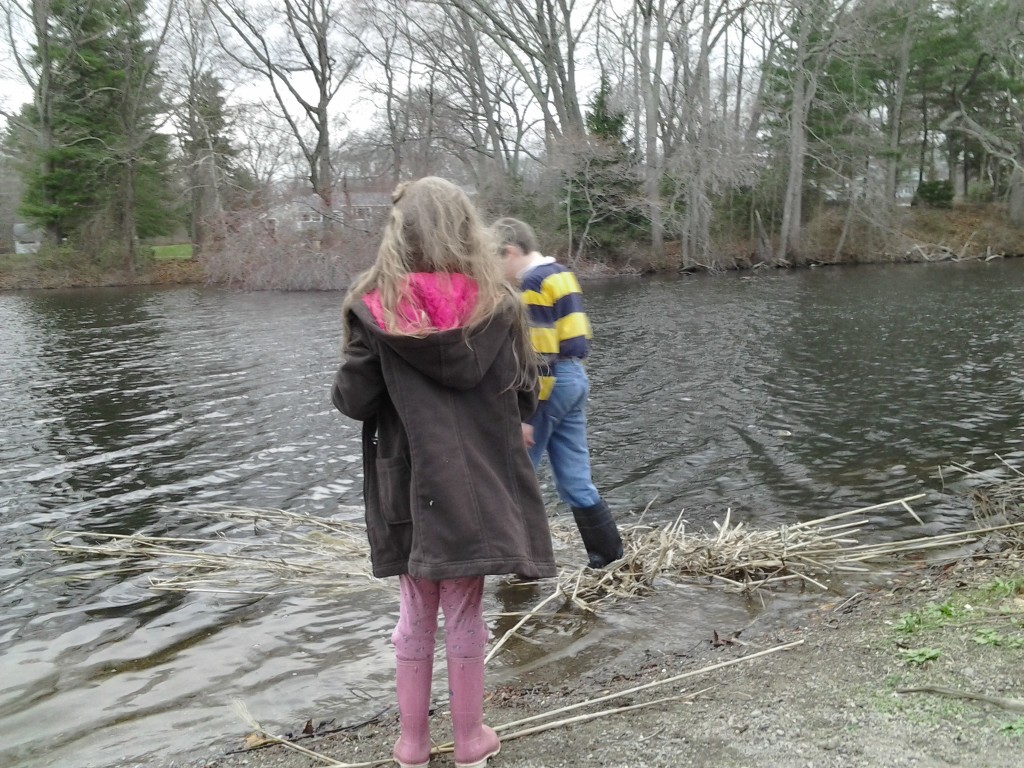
(780, 396)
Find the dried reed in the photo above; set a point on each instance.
(255, 551)
(326, 555)
(742, 558)
(998, 500)
(747, 560)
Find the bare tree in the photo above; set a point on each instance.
(388, 48)
(266, 147)
(495, 101)
(285, 45)
(540, 40)
(141, 83)
(201, 115)
(654, 33)
(814, 27)
(706, 127)
(898, 93)
(682, 128)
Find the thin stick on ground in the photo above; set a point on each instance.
(653, 684)
(505, 638)
(595, 715)
(250, 721)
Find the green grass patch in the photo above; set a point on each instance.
(1016, 728)
(177, 252)
(932, 616)
(966, 608)
(1001, 589)
(919, 656)
(968, 640)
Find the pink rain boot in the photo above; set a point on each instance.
(474, 741)
(412, 750)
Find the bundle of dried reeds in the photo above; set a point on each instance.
(998, 498)
(743, 558)
(322, 555)
(747, 560)
(327, 555)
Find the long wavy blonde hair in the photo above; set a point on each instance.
(433, 226)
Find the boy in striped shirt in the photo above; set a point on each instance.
(560, 332)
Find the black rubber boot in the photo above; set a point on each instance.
(599, 532)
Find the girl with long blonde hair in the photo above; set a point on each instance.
(439, 368)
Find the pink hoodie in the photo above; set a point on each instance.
(433, 301)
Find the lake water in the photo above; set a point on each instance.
(781, 396)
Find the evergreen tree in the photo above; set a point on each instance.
(605, 200)
(203, 125)
(101, 177)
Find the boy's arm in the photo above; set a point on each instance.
(359, 383)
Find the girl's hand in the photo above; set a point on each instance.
(528, 435)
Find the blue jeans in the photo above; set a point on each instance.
(560, 429)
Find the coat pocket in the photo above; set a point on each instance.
(395, 478)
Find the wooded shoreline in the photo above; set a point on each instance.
(965, 233)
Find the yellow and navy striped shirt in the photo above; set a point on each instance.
(559, 328)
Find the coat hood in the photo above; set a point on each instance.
(439, 304)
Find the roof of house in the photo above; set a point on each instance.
(364, 199)
(27, 233)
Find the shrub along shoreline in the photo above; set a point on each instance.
(915, 235)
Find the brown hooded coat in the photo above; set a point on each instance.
(448, 484)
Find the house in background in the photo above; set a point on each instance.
(363, 210)
(301, 214)
(27, 238)
(306, 213)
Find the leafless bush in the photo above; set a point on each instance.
(253, 255)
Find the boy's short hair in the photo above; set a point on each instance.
(515, 232)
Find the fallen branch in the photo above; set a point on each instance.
(1013, 705)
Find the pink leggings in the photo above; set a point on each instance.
(465, 633)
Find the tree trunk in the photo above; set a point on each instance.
(892, 169)
(324, 187)
(1015, 199)
(739, 73)
(42, 96)
(651, 80)
(792, 210)
(128, 235)
(698, 200)
(922, 161)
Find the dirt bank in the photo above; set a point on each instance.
(171, 272)
(831, 700)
